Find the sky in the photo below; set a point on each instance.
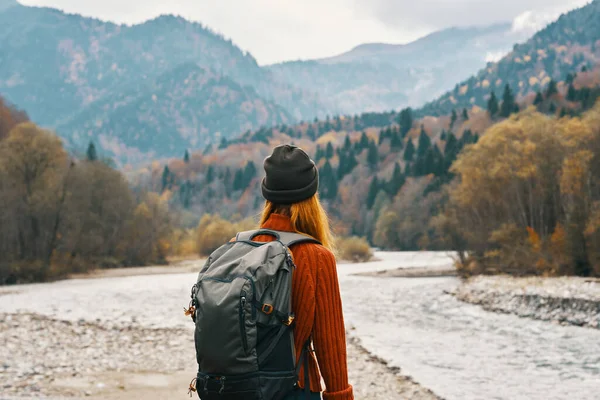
(281, 30)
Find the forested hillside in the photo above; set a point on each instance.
(60, 214)
(383, 176)
(572, 43)
(188, 107)
(72, 72)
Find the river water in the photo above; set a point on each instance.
(457, 350)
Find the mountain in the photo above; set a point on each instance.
(61, 67)
(378, 77)
(188, 107)
(570, 44)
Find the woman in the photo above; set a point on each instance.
(292, 205)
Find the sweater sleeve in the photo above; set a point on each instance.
(329, 334)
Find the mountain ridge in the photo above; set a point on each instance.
(568, 44)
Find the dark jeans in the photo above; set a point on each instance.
(299, 395)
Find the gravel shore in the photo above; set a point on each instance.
(47, 358)
(567, 300)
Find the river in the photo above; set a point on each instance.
(457, 350)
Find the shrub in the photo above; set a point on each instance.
(213, 231)
(354, 249)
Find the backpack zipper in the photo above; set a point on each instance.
(243, 321)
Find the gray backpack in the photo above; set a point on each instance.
(242, 307)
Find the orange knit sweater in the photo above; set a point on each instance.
(317, 305)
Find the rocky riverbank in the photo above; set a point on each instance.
(566, 300)
(43, 357)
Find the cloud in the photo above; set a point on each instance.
(531, 21)
(277, 30)
(438, 14)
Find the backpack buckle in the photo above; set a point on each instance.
(267, 309)
(289, 321)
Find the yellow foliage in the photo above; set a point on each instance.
(213, 232)
(593, 224)
(485, 84)
(534, 239)
(546, 80)
(574, 172)
(353, 249)
(533, 80)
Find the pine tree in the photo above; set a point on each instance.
(338, 123)
(571, 92)
(186, 157)
(508, 102)
(310, 132)
(539, 99)
(424, 142)
(451, 150)
(364, 141)
(396, 141)
(397, 180)
(328, 187)
(438, 162)
(453, 118)
(318, 153)
(249, 173)
(347, 143)
(92, 155)
(210, 174)
(443, 135)
(408, 170)
(166, 178)
(373, 190)
(329, 151)
(552, 108)
(327, 126)
(342, 166)
(373, 155)
(563, 112)
(551, 89)
(185, 194)
(406, 121)
(409, 151)
(429, 164)
(223, 143)
(465, 114)
(381, 137)
(238, 180)
(492, 105)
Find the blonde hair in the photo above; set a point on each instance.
(308, 217)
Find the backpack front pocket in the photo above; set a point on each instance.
(225, 334)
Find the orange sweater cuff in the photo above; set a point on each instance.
(345, 394)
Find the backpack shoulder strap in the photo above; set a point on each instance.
(286, 238)
(291, 238)
(248, 236)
